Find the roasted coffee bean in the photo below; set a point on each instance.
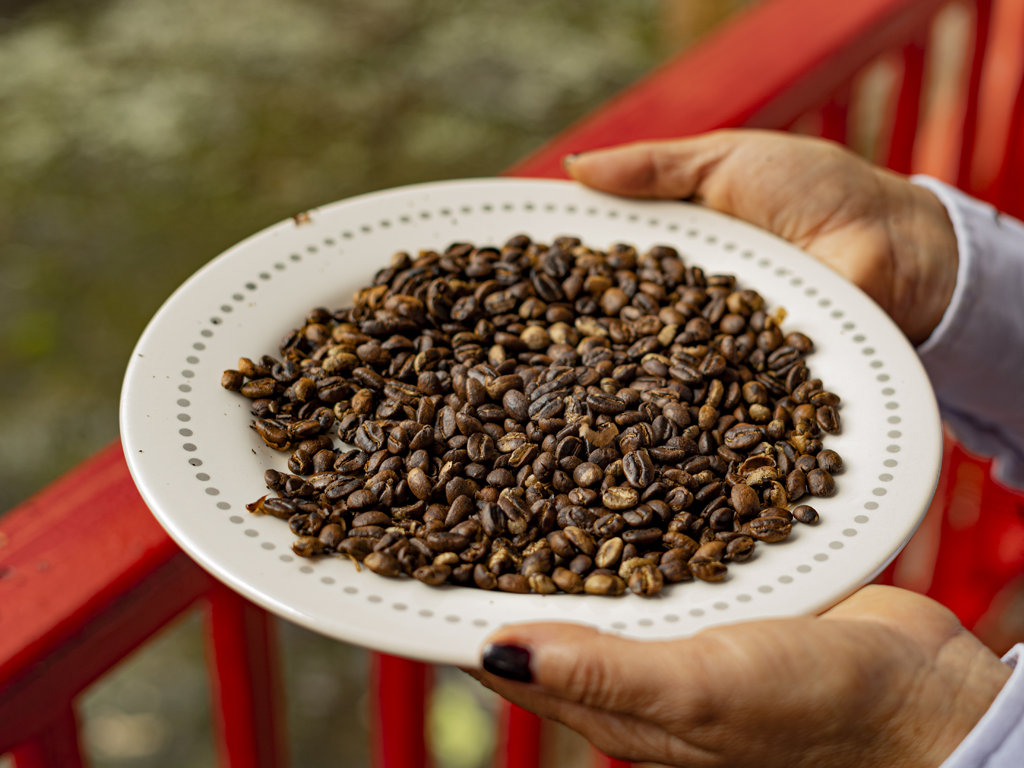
(581, 540)
(373, 517)
(828, 418)
(770, 529)
(513, 582)
(541, 561)
(483, 577)
(740, 549)
(806, 514)
(638, 468)
(611, 524)
(463, 574)
(383, 564)
(521, 409)
(646, 580)
(586, 475)
(432, 575)
(567, 581)
(830, 461)
(232, 380)
(441, 541)
(609, 553)
(675, 571)
(796, 484)
(308, 546)
(604, 584)
(620, 498)
(820, 483)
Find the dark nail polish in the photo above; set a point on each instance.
(508, 661)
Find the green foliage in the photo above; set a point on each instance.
(139, 138)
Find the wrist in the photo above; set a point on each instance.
(949, 701)
(925, 257)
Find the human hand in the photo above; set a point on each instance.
(886, 678)
(889, 237)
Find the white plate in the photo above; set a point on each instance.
(197, 462)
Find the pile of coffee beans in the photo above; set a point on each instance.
(543, 418)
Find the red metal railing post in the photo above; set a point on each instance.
(835, 116)
(519, 742)
(604, 761)
(398, 701)
(969, 131)
(245, 678)
(906, 110)
(56, 746)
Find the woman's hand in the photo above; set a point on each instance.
(886, 235)
(886, 678)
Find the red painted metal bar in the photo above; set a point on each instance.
(906, 110)
(969, 130)
(981, 546)
(1008, 192)
(520, 739)
(69, 552)
(835, 116)
(28, 699)
(772, 64)
(56, 746)
(89, 576)
(247, 694)
(399, 689)
(999, 91)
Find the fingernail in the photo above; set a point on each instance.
(508, 661)
(568, 160)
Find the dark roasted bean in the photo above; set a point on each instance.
(513, 582)
(796, 484)
(820, 483)
(770, 529)
(806, 514)
(646, 580)
(604, 584)
(830, 461)
(739, 549)
(707, 569)
(433, 575)
(524, 408)
(586, 475)
(383, 564)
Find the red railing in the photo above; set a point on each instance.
(87, 575)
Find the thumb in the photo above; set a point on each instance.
(673, 169)
(582, 665)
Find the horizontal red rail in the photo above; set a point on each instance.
(764, 70)
(69, 553)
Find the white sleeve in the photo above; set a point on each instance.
(997, 741)
(975, 356)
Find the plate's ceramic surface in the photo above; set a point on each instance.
(197, 462)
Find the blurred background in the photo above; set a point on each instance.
(140, 138)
